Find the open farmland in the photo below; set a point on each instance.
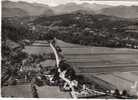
(122, 80)
(119, 80)
(17, 91)
(110, 68)
(89, 59)
(38, 47)
(50, 92)
(116, 66)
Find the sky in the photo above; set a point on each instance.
(108, 2)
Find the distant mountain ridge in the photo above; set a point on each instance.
(32, 9)
(121, 11)
(71, 7)
(36, 9)
(12, 12)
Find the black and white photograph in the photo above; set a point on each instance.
(69, 49)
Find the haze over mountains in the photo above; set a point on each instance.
(10, 9)
(8, 12)
(30, 8)
(71, 7)
(121, 11)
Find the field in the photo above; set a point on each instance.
(52, 92)
(116, 66)
(91, 58)
(123, 80)
(109, 67)
(38, 47)
(22, 91)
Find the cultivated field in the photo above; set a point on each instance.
(38, 47)
(99, 57)
(20, 91)
(95, 59)
(123, 80)
(52, 92)
(114, 66)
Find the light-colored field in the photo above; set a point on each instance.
(52, 92)
(20, 91)
(123, 80)
(119, 80)
(37, 50)
(38, 47)
(69, 48)
(48, 63)
(93, 57)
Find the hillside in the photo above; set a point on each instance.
(15, 29)
(86, 29)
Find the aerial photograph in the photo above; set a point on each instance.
(69, 49)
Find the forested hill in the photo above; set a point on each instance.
(96, 30)
(14, 30)
(79, 27)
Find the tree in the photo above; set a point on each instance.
(116, 93)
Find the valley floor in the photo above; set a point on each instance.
(115, 68)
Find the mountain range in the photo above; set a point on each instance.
(10, 9)
(121, 11)
(71, 7)
(33, 9)
(7, 12)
